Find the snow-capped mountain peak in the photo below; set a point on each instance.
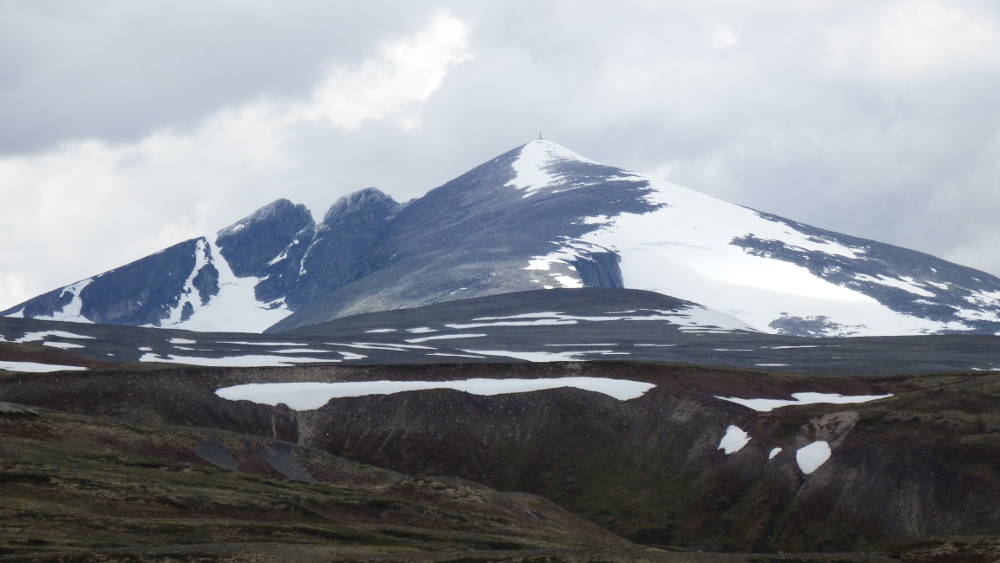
(536, 217)
(535, 166)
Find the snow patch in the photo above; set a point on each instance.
(691, 318)
(443, 337)
(811, 457)
(545, 356)
(189, 293)
(234, 361)
(533, 167)
(308, 395)
(42, 335)
(456, 355)
(258, 343)
(773, 453)
(535, 322)
(34, 367)
(63, 345)
(768, 405)
(575, 345)
(734, 440)
(905, 283)
(382, 346)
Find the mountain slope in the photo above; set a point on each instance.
(543, 216)
(538, 216)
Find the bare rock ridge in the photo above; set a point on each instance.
(538, 216)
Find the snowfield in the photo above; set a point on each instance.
(310, 396)
(685, 249)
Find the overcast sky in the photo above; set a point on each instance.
(129, 126)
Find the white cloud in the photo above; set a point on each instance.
(722, 36)
(80, 208)
(918, 39)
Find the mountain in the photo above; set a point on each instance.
(584, 324)
(538, 216)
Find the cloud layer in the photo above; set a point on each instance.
(131, 127)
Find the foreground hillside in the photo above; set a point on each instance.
(81, 486)
(685, 460)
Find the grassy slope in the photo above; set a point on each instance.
(76, 484)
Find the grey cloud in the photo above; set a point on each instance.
(119, 70)
(845, 116)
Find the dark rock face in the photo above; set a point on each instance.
(338, 253)
(47, 304)
(144, 291)
(251, 243)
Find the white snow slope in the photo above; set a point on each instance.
(234, 309)
(683, 249)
